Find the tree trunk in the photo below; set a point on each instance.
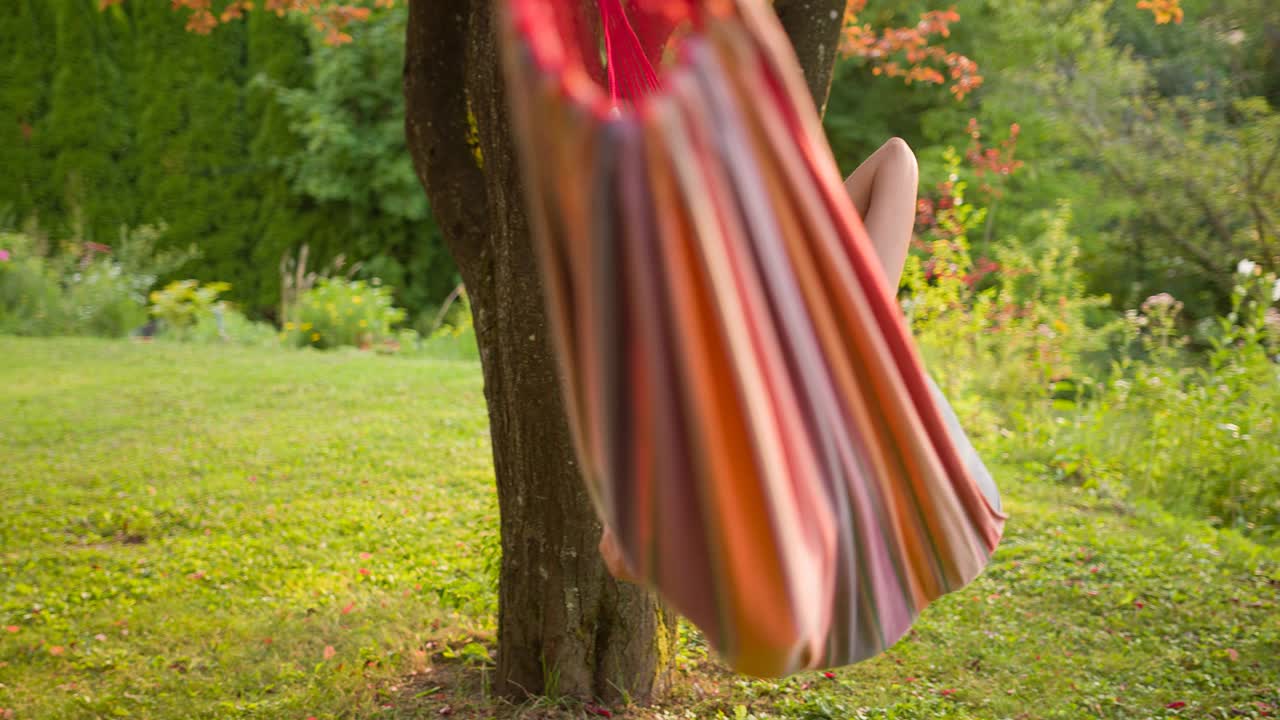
(565, 626)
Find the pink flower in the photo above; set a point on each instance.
(4, 256)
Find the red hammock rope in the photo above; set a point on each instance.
(635, 35)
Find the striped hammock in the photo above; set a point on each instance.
(752, 419)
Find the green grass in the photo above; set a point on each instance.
(195, 532)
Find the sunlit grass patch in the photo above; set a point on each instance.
(195, 532)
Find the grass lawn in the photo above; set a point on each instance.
(194, 532)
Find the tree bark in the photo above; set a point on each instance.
(814, 29)
(565, 626)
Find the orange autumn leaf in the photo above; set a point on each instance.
(910, 53)
(331, 19)
(1166, 11)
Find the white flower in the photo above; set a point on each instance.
(1275, 292)
(1246, 267)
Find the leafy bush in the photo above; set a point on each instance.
(1006, 335)
(225, 324)
(181, 303)
(103, 300)
(1043, 374)
(338, 312)
(1199, 434)
(192, 312)
(30, 295)
(85, 288)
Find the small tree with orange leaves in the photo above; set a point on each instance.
(911, 53)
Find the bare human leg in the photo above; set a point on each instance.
(884, 188)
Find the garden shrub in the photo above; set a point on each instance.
(1196, 432)
(341, 312)
(84, 288)
(192, 312)
(181, 303)
(1045, 375)
(30, 295)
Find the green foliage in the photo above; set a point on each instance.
(353, 163)
(192, 166)
(85, 289)
(1004, 332)
(1042, 373)
(338, 312)
(1199, 435)
(31, 300)
(1165, 133)
(23, 101)
(84, 132)
(181, 303)
(451, 332)
(225, 324)
(102, 300)
(121, 118)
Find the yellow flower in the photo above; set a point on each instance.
(315, 337)
(357, 299)
(288, 326)
(306, 326)
(364, 323)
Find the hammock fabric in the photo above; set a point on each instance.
(753, 422)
